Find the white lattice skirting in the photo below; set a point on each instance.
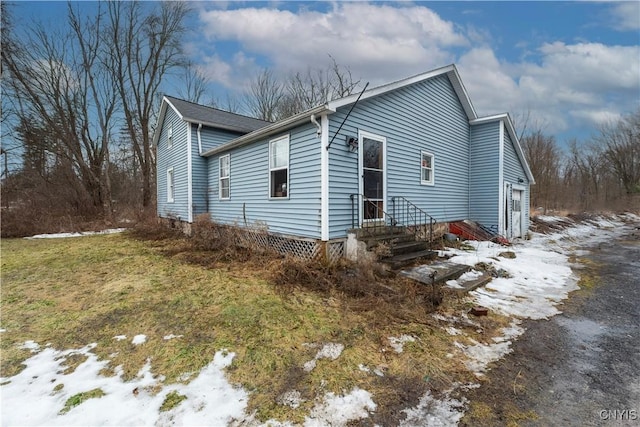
(303, 248)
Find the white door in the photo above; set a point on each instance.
(516, 213)
(372, 173)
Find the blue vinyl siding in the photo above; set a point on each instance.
(211, 138)
(513, 172)
(299, 214)
(425, 116)
(175, 157)
(484, 166)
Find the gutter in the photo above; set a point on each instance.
(270, 130)
(199, 139)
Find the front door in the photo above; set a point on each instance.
(372, 183)
(516, 214)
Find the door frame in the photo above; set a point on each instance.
(523, 192)
(361, 136)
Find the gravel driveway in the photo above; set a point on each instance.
(579, 368)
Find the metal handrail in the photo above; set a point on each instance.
(413, 217)
(376, 223)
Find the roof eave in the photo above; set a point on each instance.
(269, 130)
(217, 125)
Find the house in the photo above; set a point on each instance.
(313, 178)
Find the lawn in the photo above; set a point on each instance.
(68, 293)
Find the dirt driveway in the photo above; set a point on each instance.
(579, 368)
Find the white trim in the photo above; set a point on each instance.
(228, 177)
(269, 130)
(361, 135)
(523, 211)
(324, 178)
(161, 115)
(171, 189)
(280, 138)
(431, 182)
(189, 176)
(506, 119)
(501, 183)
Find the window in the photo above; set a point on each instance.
(225, 173)
(279, 167)
(170, 185)
(170, 135)
(426, 168)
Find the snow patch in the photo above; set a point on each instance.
(480, 355)
(139, 339)
(398, 343)
(31, 345)
(329, 351)
(77, 234)
(338, 411)
(211, 400)
(432, 412)
(120, 337)
(171, 336)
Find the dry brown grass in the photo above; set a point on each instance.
(273, 312)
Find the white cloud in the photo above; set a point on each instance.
(561, 85)
(569, 85)
(626, 16)
(378, 42)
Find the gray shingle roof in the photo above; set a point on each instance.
(213, 117)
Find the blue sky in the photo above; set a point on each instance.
(572, 65)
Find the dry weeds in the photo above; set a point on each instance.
(272, 311)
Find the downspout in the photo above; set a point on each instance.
(323, 134)
(315, 122)
(199, 139)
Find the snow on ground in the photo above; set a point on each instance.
(540, 278)
(211, 400)
(78, 234)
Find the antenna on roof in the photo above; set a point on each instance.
(347, 116)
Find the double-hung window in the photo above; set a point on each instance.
(170, 136)
(279, 167)
(427, 168)
(225, 174)
(170, 185)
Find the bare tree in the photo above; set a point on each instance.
(195, 83)
(145, 48)
(586, 172)
(620, 142)
(59, 80)
(544, 159)
(272, 99)
(266, 93)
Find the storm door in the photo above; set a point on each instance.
(373, 177)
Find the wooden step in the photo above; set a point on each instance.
(438, 272)
(388, 239)
(398, 261)
(408, 247)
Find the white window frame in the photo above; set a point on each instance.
(171, 185)
(170, 136)
(432, 169)
(221, 178)
(274, 169)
